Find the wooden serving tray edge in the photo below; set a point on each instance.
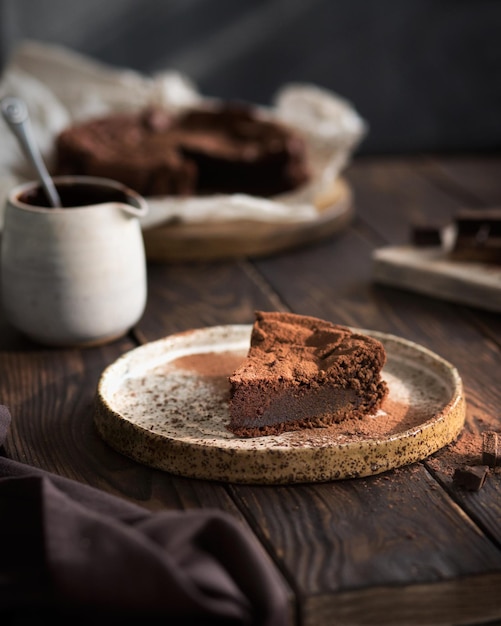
(247, 238)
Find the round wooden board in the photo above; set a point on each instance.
(165, 404)
(245, 238)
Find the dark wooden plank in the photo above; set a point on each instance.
(390, 192)
(195, 295)
(366, 531)
(473, 179)
(50, 395)
(442, 604)
(342, 540)
(484, 506)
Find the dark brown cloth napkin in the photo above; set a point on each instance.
(71, 552)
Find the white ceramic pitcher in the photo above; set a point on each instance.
(76, 275)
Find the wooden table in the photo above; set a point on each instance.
(406, 547)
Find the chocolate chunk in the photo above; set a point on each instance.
(491, 450)
(478, 235)
(471, 478)
(427, 234)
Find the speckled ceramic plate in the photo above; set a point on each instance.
(164, 404)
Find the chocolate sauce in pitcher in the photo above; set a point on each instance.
(75, 195)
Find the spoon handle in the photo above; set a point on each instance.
(15, 113)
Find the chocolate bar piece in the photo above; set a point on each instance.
(432, 233)
(478, 236)
(426, 235)
(470, 477)
(491, 449)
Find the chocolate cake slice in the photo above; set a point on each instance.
(225, 149)
(303, 372)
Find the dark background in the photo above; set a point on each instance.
(425, 74)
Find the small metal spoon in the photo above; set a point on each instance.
(15, 113)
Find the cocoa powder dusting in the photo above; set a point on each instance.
(466, 453)
(212, 367)
(208, 364)
(397, 413)
(466, 450)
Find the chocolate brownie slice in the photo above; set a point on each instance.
(303, 372)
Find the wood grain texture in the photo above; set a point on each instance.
(50, 395)
(195, 295)
(361, 533)
(441, 604)
(341, 540)
(474, 180)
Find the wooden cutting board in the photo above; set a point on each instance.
(429, 271)
(173, 242)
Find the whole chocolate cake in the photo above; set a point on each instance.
(229, 149)
(303, 372)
